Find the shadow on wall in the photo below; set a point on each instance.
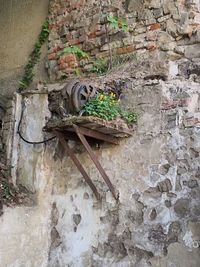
(20, 24)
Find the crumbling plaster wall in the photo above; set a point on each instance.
(155, 223)
(157, 171)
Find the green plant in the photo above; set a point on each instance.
(107, 107)
(34, 57)
(100, 66)
(118, 23)
(74, 50)
(77, 72)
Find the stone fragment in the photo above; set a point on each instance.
(196, 210)
(133, 5)
(192, 183)
(88, 46)
(179, 50)
(178, 186)
(152, 4)
(164, 18)
(173, 56)
(181, 170)
(55, 238)
(164, 168)
(171, 195)
(164, 186)
(76, 218)
(181, 207)
(86, 195)
(153, 214)
(168, 203)
(158, 12)
(157, 234)
(165, 41)
(192, 51)
(135, 217)
(194, 153)
(152, 192)
(100, 250)
(171, 28)
(54, 215)
(174, 231)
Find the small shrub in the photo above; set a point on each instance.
(107, 107)
(74, 50)
(100, 66)
(118, 23)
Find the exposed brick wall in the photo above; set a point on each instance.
(155, 25)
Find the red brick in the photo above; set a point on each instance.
(174, 104)
(151, 46)
(51, 56)
(74, 41)
(63, 66)
(126, 49)
(154, 26)
(91, 34)
(73, 64)
(53, 26)
(70, 58)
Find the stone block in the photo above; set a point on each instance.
(182, 207)
(192, 120)
(153, 4)
(192, 51)
(126, 49)
(164, 186)
(175, 103)
(158, 12)
(133, 5)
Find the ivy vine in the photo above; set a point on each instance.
(34, 57)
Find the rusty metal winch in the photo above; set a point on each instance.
(72, 98)
(76, 94)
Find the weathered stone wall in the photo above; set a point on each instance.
(155, 223)
(157, 171)
(171, 27)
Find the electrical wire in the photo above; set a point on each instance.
(24, 139)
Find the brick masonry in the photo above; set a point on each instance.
(157, 25)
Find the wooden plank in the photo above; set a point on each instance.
(96, 162)
(78, 164)
(88, 122)
(98, 135)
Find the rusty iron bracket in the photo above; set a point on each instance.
(79, 166)
(81, 133)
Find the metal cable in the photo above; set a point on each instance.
(24, 139)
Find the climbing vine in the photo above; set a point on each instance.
(34, 57)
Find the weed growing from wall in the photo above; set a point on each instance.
(107, 107)
(118, 23)
(34, 57)
(73, 50)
